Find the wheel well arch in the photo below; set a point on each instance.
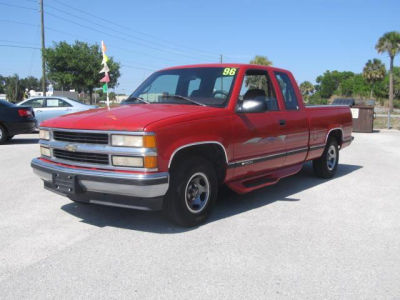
(212, 151)
(336, 133)
(4, 126)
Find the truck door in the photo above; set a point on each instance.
(258, 144)
(294, 125)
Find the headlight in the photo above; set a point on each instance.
(146, 141)
(127, 161)
(44, 134)
(44, 151)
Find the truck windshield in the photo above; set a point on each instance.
(191, 86)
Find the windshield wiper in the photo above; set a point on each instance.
(183, 98)
(139, 99)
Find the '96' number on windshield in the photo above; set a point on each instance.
(229, 71)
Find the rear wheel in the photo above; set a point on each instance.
(326, 165)
(192, 192)
(3, 134)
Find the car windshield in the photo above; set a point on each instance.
(191, 86)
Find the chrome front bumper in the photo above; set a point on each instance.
(89, 182)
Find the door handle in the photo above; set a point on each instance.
(38, 111)
(282, 122)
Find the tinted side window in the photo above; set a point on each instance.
(35, 103)
(257, 85)
(287, 90)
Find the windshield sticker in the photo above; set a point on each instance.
(229, 71)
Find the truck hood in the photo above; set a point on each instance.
(133, 117)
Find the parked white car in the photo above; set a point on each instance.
(51, 107)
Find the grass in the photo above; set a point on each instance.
(381, 123)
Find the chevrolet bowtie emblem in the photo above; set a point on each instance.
(71, 148)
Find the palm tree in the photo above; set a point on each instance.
(374, 71)
(261, 60)
(306, 88)
(258, 81)
(389, 43)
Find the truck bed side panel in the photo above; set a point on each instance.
(324, 119)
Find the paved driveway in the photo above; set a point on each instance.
(302, 238)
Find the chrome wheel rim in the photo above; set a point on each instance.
(197, 192)
(332, 157)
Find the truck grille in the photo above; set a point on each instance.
(81, 137)
(92, 158)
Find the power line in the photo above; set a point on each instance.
(115, 36)
(204, 53)
(17, 6)
(18, 42)
(146, 42)
(17, 46)
(89, 40)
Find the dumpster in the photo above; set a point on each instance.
(344, 101)
(363, 118)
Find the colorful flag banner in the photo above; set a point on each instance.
(106, 78)
(105, 70)
(103, 47)
(105, 59)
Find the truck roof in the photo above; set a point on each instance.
(225, 65)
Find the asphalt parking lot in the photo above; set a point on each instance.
(302, 238)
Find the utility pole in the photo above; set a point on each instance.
(220, 58)
(43, 49)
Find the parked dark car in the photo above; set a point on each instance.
(15, 120)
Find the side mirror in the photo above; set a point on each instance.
(252, 106)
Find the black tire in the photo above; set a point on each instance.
(187, 202)
(3, 134)
(326, 165)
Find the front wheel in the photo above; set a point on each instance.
(326, 165)
(192, 192)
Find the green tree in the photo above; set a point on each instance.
(258, 81)
(77, 66)
(30, 83)
(307, 89)
(374, 71)
(14, 89)
(261, 60)
(3, 84)
(329, 82)
(389, 43)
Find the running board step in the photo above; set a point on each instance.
(260, 182)
(245, 185)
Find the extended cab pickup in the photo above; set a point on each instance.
(186, 131)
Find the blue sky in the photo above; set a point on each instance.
(306, 37)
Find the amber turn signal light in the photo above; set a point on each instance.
(150, 162)
(149, 141)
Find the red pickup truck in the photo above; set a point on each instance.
(186, 131)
